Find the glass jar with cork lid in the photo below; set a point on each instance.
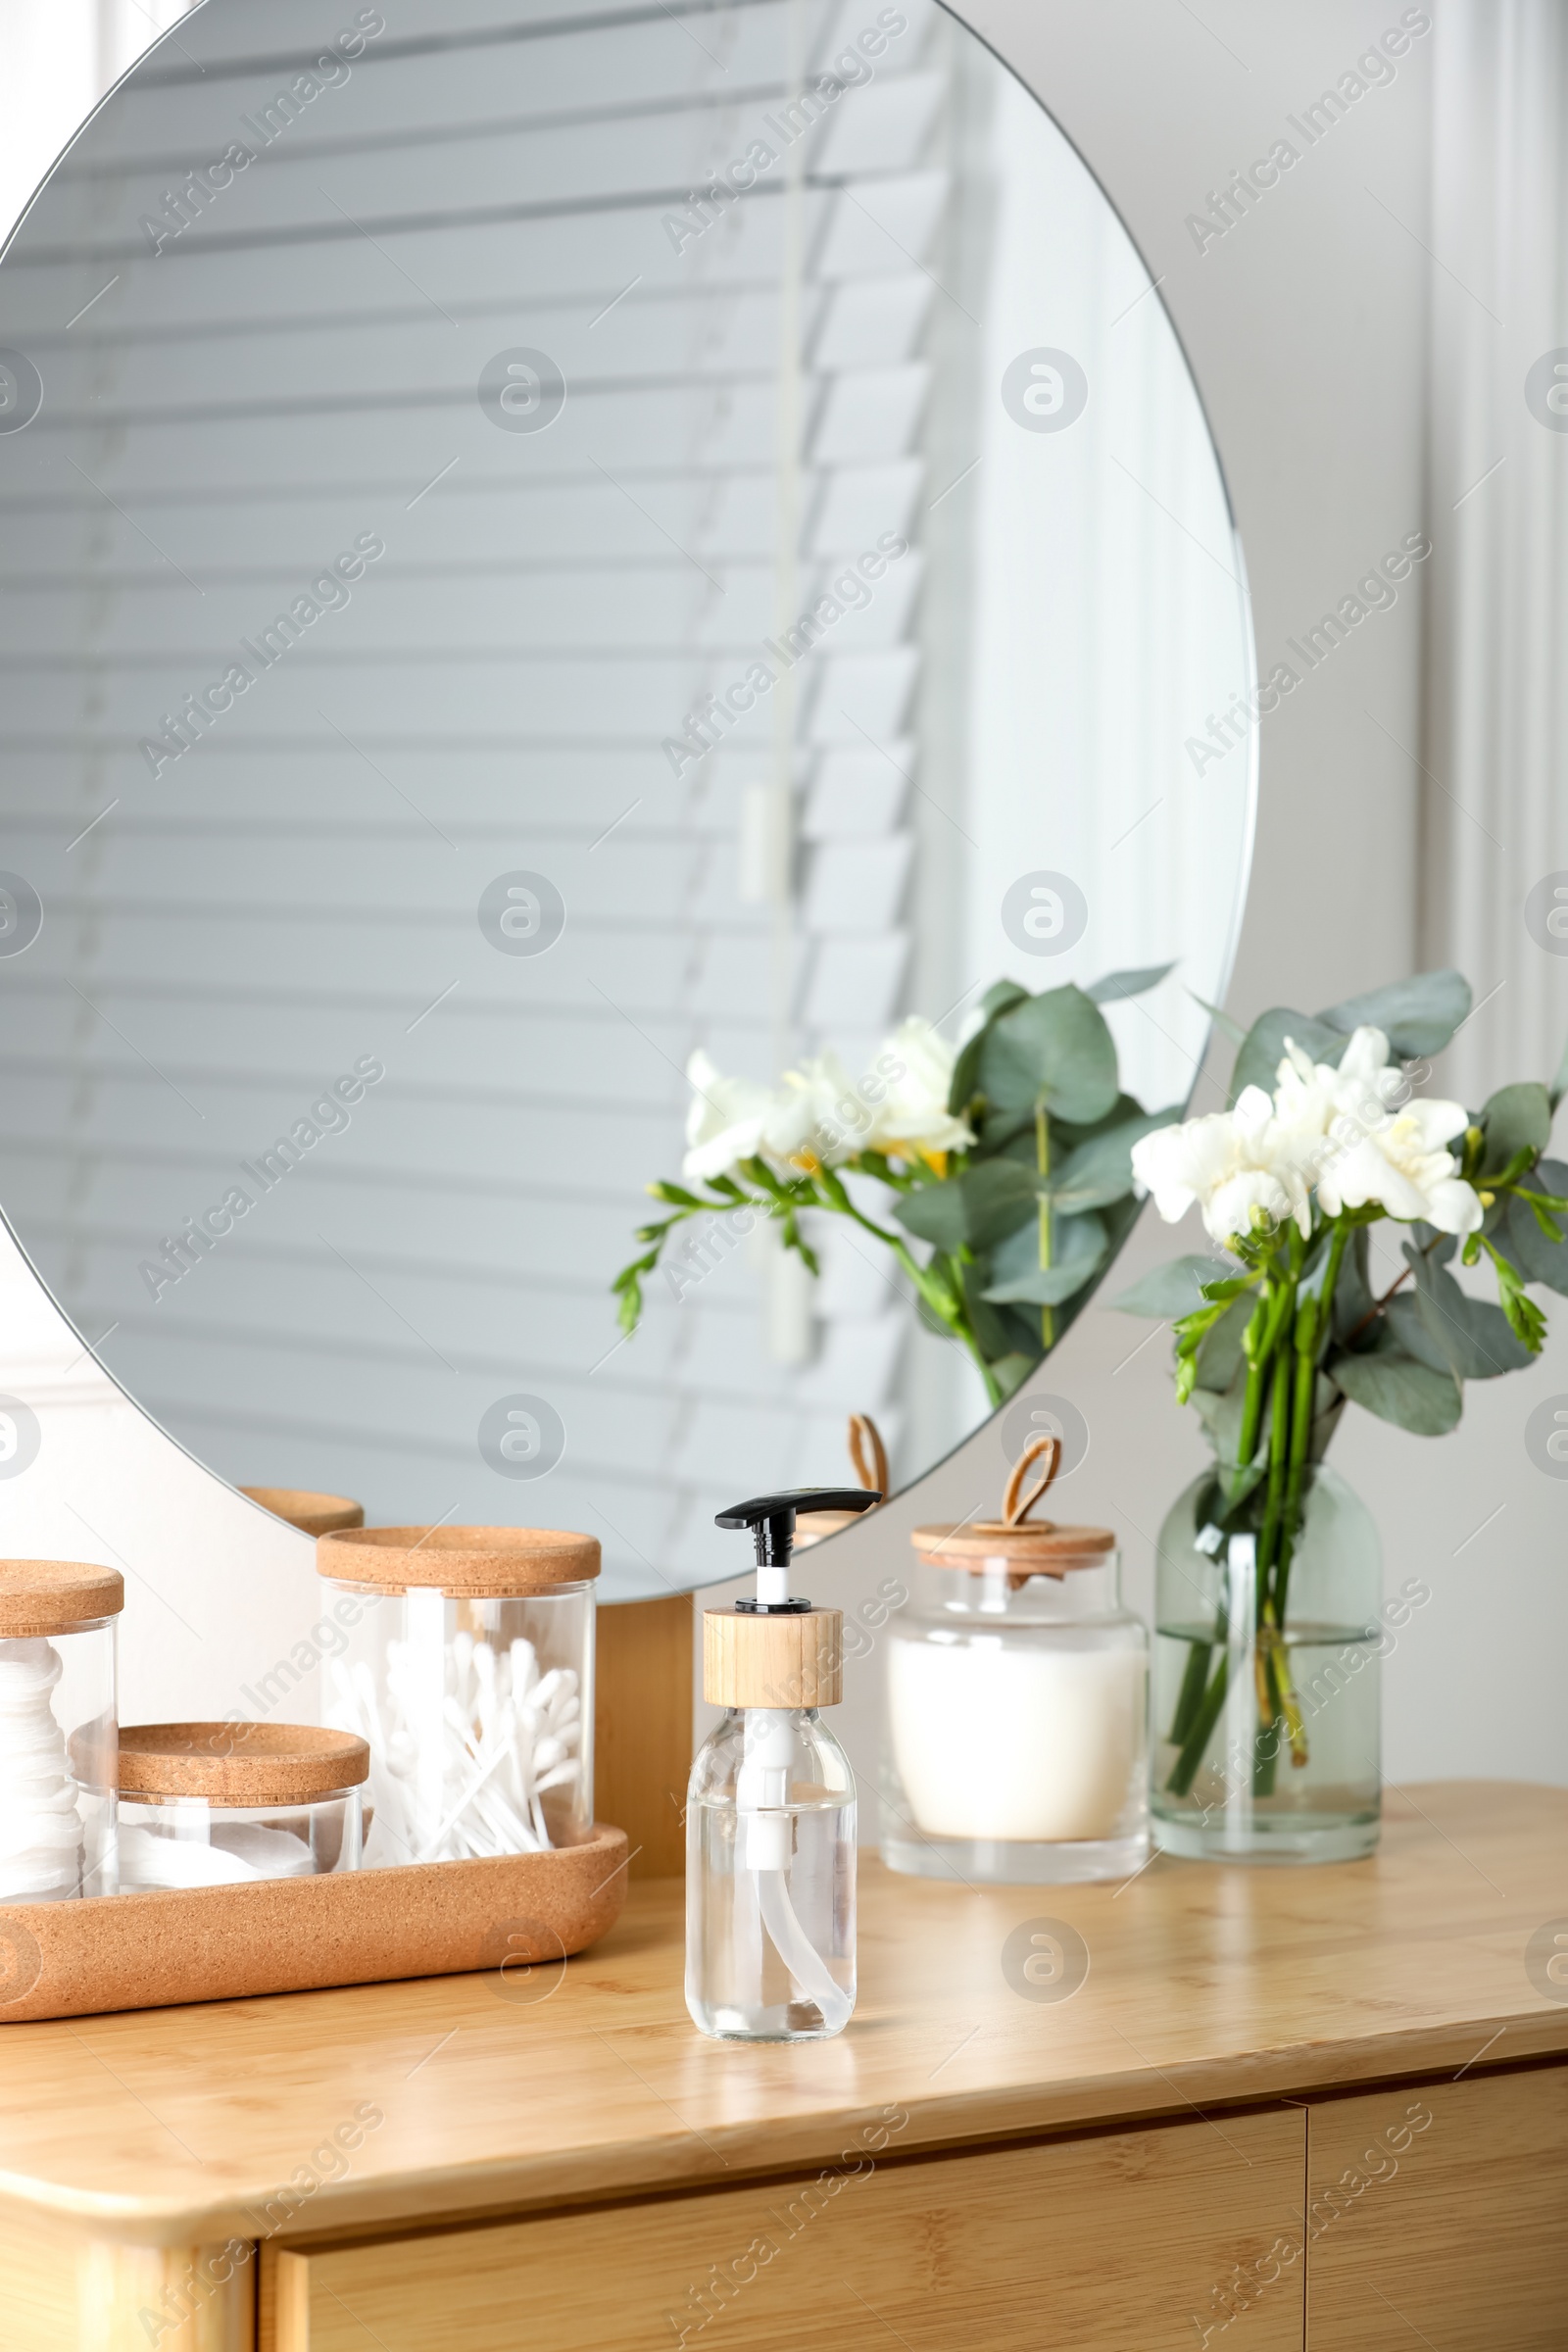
(469, 1673)
(220, 1804)
(57, 1729)
(1016, 1742)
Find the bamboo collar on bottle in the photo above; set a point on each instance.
(1024, 1546)
(478, 1562)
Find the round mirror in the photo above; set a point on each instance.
(538, 544)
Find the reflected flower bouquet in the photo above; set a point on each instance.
(1006, 1163)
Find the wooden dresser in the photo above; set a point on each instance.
(1320, 2106)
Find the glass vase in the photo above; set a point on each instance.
(1266, 1695)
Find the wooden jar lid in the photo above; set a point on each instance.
(487, 1563)
(1038, 1548)
(313, 1514)
(793, 1660)
(239, 1763)
(55, 1597)
(1025, 1547)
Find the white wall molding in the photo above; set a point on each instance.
(1495, 817)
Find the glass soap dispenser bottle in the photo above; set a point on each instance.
(770, 1808)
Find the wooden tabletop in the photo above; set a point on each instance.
(1205, 1985)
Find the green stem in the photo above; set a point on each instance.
(1331, 1276)
(1183, 1771)
(937, 1292)
(1305, 1386)
(1048, 1319)
(1190, 1696)
(1278, 1434)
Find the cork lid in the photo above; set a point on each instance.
(312, 1513)
(54, 1596)
(870, 1458)
(239, 1763)
(775, 1658)
(480, 1562)
(1028, 1547)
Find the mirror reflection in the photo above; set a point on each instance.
(539, 546)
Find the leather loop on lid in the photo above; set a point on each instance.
(1025, 1547)
(239, 1764)
(1016, 1505)
(868, 1453)
(312, 1513)
(480, 1562)
(870, 1458)
(39, 1597)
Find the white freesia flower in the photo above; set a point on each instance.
(725, 1121)
(1238, 1166)
(1365, 1147)
(912, 1119)
(819, 1116)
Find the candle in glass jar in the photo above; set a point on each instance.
(1000, 1740)
(1017, 1728)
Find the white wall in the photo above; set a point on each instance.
(1305, 325)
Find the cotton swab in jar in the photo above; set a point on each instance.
(463, 1755)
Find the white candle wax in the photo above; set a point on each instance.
(1013, 1741)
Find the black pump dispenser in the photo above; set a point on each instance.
(771, 1519)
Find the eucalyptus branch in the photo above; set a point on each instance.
(1525, 1319)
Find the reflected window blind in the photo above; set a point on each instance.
(289, 377)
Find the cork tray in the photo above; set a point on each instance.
(368, 1926)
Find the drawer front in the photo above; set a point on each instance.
(1441, 2213)
(1115, 2243)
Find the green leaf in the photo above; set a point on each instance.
(999, 1195)
(1010, 1372)
(1053, 1050)
(1173, 1289)
(1102, 1170)
(1070, 1133)
(1472, 1336)
(1352, 1293)
(1538, 1258)
(676, 1195)
(1221, 1415)
(1000, 997)
(1418, 1016)
(935, 1213)
(1559, 1084)
(1517, 1118)
(996, 1329)
(1398, 1389)
(1223, 1021)
(965, 1075)
(1409, 1328)
(1219, 1355)
(1328, 1410)
(980, 1206)
(1258, 1062)
(1077, 1250)
(1117, 984)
